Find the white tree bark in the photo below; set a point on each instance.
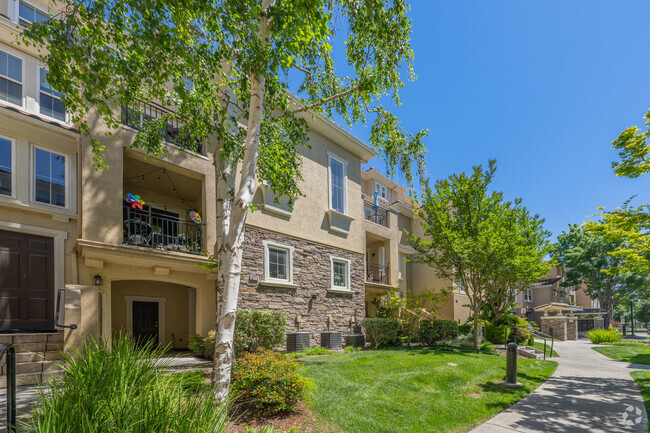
(233, 211)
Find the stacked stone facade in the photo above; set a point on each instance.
(555, 326)
(311, 299)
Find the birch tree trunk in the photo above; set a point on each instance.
(232, 229)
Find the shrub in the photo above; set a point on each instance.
(487, 347)
(600, 336)
(316, 350)
(495, 334)
(381, 332)
(267, 383)
(433, 331)
(465, 328)
(204, 346)
(255, 329)
(125, 389)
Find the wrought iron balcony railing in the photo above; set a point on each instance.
(378, 216)
(148, 228)
(142, 112)
(376, 273)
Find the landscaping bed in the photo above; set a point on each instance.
(448, 388)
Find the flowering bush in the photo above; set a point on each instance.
(267, 383)
(203, 345)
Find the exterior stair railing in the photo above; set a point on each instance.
(528, 330)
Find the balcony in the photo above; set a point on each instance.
(377, 216)
(135, 116)
(154, 228)
(378, 274)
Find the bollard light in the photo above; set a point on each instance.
(511, 367)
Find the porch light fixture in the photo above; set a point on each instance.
(97, 280)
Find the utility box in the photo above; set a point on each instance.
(355, 340)
(331, 340)
(296, 341)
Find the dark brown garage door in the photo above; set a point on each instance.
(26, 281)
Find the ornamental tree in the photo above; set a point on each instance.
(225, 66)
(588, 258)
(475, 237)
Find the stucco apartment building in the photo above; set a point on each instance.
(549, 290)
(122, 246)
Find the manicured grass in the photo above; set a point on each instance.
(643, 380)
(540, 346)
(634, 354)
(446, 389)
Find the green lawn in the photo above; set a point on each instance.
(643, 380)
(447, 389)
(635, 354)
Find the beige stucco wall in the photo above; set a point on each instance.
(176, 307)
(309, 219)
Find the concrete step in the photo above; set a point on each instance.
(530, 352)
(33, 378)
(32, 337)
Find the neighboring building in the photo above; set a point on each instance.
(125, 243)
(549, 290)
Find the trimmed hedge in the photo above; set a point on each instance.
(433, 331)
(381, 331)
(495, 334)
(253, 330)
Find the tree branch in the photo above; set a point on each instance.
(328, 100)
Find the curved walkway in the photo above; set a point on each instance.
(587, 393)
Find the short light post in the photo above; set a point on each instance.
(511, 367)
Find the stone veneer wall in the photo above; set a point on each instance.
(555, 326)
(572, 328)
(312, 275)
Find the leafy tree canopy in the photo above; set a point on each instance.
(634, 151)
(474, 236)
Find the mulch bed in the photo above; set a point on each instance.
(301, 417)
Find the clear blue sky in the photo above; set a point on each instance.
(542, 86)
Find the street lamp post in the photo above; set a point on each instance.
(632, 316)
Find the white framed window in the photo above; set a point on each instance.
(528, 295)
(461, 286)
(7, 164)
(11, 79)
(278, 263)
(381, 189)
(50, 174)
(340, 273)
(28, 14)
(49, 100)
(338, 176)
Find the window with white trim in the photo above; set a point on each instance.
(11, 79)
(278, 263)
(340, 273)
(28, 14)
(49, 177)
(528, 295)
(381, 189)
(6, 166)
(338, 177)
(49, 99)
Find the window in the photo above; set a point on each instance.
(278, 263)
(49, 177)
(50, 100)
(381, 189)
(11, 79)
(338, 176)
(461, 286)
(528, 295)
(6, 159)
(340, 273)
(28, 14)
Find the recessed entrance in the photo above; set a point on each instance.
(145, 322)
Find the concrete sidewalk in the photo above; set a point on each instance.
(587, 393)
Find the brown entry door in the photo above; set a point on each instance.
(145, 322)
(26, 282)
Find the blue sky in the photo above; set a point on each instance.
(542, 86)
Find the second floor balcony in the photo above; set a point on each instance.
(155, 228)
(374, 214)
(376, 273)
